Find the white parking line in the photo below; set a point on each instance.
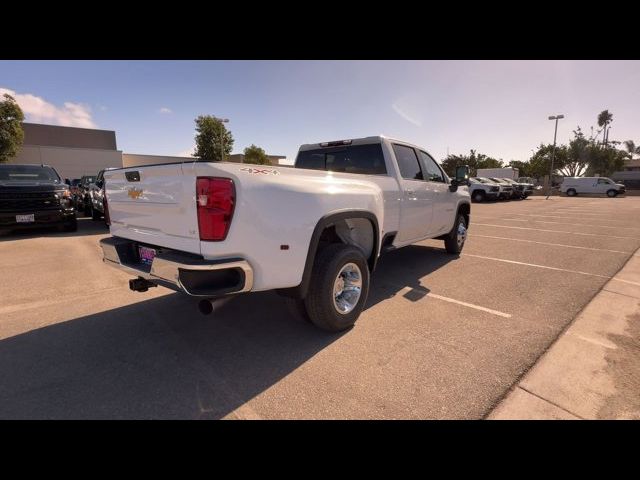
(552, 268)
(565, 223)
(537, 266)
(552, 231)
(551, 244)
(464, 304)
(559, 216)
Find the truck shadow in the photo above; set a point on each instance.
(161, 359)
(86, 226)
(403, 269)
(155, 359)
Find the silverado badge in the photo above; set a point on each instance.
(135, 193)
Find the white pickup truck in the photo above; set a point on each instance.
(313, 232)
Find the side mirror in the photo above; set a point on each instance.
(462, 175)
(453, 186)
(99, 183)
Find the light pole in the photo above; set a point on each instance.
(223, 120)
(553, 153)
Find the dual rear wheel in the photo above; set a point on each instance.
(339, 283)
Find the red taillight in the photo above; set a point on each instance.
(105, 205)
(215, 199)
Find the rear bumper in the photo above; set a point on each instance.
(42, 218)
(181, 272)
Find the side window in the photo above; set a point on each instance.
(602, 181)
(431, 169)
(408, 162)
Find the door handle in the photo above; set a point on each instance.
(410, 192)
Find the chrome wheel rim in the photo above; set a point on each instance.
(461, 235)
(347, 288)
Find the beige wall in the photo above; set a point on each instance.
(70, 162)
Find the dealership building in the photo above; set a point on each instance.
(75, 152)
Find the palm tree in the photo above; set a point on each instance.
(603, 120)
(632, 148)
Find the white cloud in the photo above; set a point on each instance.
(165, 110)
(38, 110)
(186, 153)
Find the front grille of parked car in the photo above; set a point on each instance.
(494, 189)
(28, 202)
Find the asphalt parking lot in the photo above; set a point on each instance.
(442, 337)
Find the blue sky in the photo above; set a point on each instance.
(499, 108)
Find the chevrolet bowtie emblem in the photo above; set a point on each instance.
(135, 193)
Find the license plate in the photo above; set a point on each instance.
(147, 255)
(26, 218)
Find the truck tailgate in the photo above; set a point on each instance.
(155, 205)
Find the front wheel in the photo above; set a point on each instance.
(95, 214)
(571, 193)
(611, 193)
(339, 287)
(454, 241)
(478, 196)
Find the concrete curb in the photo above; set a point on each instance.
(592, 371)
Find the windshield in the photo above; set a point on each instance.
(508, 180)
(485, 180)
(28, 173)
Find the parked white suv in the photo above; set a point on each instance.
(482, 189)
(313, 233)
(573, 186)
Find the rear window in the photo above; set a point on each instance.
(363, 159)
(28, 173)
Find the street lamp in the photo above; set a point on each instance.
(223, 120)
(553, 153)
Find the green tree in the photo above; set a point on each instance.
(604, 119)
(256, 155)
(212, 139)
(632, 148)
(11, 132)
(524, 168)
(473, 160)
(578, 155)
(605, 160)
(540, 161)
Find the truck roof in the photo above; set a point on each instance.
(356, 141)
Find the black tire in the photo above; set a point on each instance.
(71, 226)
(451, 244)
(95, 214)
(478, 196)
(571, 192)
(319, 302)
(612, 193)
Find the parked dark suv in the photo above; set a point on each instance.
(34, 196)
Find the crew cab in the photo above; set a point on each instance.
(34, 196)
(507, 191)
(520, 189)
(481, 189)
(313, 232)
